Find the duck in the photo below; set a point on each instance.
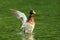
(28, 24)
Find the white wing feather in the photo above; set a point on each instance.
(19, 15)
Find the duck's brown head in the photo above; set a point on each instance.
(32, 12)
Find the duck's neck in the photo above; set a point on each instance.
(31, 19)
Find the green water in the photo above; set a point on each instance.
(47, 19)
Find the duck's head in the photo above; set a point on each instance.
(32, 12)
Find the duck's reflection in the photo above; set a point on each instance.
(28, 37)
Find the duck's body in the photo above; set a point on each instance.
(28, 23)
(29, 26)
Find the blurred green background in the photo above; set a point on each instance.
(47, 19)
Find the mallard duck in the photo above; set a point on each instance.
(27, 23)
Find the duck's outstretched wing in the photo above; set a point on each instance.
(19, 15)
